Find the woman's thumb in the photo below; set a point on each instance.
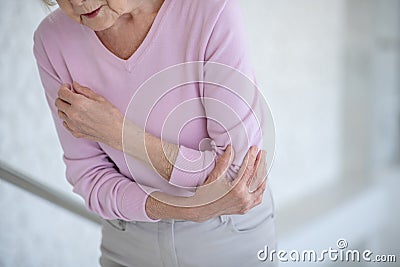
(222, 165)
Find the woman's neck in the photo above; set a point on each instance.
(144, 6)
(129, 31)
(140, 8)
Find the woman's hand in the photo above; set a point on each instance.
(218, 195)
(89, 115)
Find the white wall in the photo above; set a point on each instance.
(330, 70)
(297, 50)
(33, 233)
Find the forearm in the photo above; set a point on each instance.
(159, 206)
(149, 149)
(167, 159)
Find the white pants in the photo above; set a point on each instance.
(225, 241)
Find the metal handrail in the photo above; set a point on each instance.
(23, 181)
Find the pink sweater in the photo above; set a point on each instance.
(183, 31)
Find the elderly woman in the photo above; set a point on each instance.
(165, 201)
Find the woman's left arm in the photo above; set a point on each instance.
(232, 103)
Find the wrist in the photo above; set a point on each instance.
(152, 208)
(116, 132)
(163, 206)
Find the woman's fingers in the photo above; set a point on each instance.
(260, 190)
(234, 198)
(260, 172)
(62, 105)
(221, 166)
(65, 94)
(62, 115)
(255, 167)
(87, 92)
(252, 173)
(214, 188)
(247, 168)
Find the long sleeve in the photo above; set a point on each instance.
(89, 170)
(230, 113)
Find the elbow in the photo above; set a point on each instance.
(99, 193)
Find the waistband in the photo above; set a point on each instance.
(223, 218)
(121, 224)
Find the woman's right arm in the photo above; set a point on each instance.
(89, 170)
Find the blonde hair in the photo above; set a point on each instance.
(49, 2)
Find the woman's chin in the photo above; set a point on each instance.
(102, 22)
(99, 26)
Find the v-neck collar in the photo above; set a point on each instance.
(130, 63)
